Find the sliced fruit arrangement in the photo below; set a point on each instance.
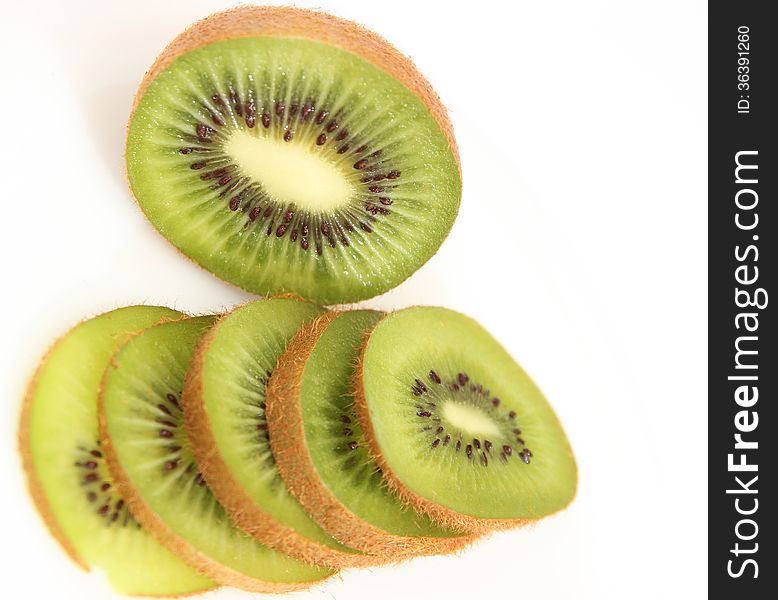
(267, 447)
(65, 463)
(287, 150)
(224, 406)
(149, 453)
(320, 451)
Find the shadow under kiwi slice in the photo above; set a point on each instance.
(65, 463)
(147, 449)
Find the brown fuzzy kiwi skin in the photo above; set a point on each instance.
(164, 535)
(445, 517)
(240, 506)
(33, 483)
(286, 21)
(287, 440)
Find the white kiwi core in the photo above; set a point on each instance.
(290, 172)
(469, 418)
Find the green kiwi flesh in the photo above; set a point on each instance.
(289, 165)
(65, 463)
(457, 423)
(333, 436)
(146, 436)
(233, 371)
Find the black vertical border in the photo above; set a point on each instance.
(730, 132)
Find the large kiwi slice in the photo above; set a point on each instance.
(224, 408)
(65, 465)
(320, 450)
(148, 452)
(286, 150)
(458, 427)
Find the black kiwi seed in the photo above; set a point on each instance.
(475, 393)
(242, 191)
(98, 490)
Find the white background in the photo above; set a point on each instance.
(581, 244)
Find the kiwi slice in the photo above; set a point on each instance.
(65, 464)
(289, 151)
(459, 429)
(320, 450)
(224, 408)
(148, 452)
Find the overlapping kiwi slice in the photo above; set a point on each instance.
(224, 406)
(458, 428)
(286, 150)
(148, 451)
(65, 463)
(320, 450)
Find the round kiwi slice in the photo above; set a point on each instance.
(459, 429)
(66, 469)
(320, 450)
(289, 151)
(147, 450)
(224, 408)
